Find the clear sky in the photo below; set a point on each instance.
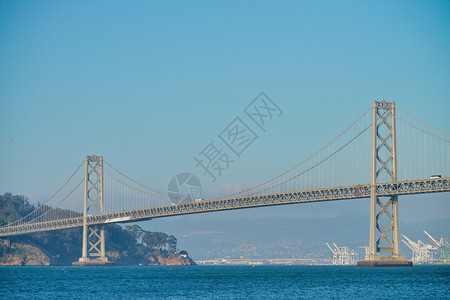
(148, 84)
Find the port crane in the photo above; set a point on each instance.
(444, 248)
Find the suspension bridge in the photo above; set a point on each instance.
(383, 154)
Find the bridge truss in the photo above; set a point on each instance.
(325, 194)
(341, 170)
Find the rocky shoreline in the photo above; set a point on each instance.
(24, 255)
(27, 255)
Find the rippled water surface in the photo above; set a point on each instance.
(243, 282)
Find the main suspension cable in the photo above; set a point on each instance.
(307, 159)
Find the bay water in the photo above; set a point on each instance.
(225, 282)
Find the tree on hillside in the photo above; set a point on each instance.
(13, 208)
(161, 239)
(135, 232)
(172, 244)
(155, 240)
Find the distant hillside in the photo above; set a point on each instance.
(277, 237)
(125, 246)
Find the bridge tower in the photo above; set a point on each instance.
(93, 251)
(384, 231)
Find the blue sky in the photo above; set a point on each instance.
(148, 84)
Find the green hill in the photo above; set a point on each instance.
(125, 246)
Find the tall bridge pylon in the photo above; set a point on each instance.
(419, 165)
(93, 249)
(384, 231)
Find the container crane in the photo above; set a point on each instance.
(444, 248)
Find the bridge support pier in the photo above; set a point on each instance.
(383, 216)
(93, 249)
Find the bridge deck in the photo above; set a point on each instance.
(304, 196)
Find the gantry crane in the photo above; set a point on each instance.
(342, 255)
(444, 248)
(421, 253)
